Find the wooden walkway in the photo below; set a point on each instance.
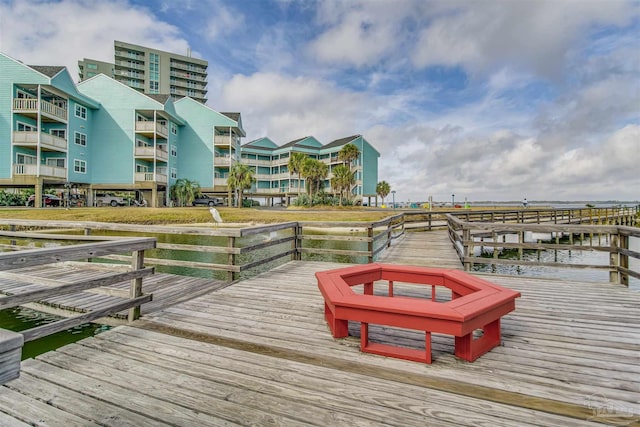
(167, 289)
(259, 352)
(426, 249)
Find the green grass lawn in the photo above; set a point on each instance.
(134, 215)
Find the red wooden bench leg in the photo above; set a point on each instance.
(470, 349)
(364, 336)
(368, 288)
(427, 347)
(339, 328)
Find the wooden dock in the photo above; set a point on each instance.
(432, 249)
(167, 289)
(253, 354)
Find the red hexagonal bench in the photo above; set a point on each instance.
(475, 304)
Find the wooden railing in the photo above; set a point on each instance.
(233, 251)
(15, 256)
(237, 250)
(472, 238)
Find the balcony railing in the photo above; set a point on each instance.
(185, 67)
(150, 126)
(187, 76)
(126, 64)
(148, 177)
(279, 190)
(148, 153)
(45, 170)
(255, 162)
(30, 105)
(224, 161)
(225, 140)
(219, 181)
(47, 141)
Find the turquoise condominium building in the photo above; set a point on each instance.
(101, 136)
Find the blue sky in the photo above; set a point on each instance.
(488, 100)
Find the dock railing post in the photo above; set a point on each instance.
(296, 243)
(231, 259)
(467, 247)
(370, 243)
(137, 263)
(623, 264)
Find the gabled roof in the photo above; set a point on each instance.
(233, 116)
(161, 98)
(342, 141)
(47, 70)
(294, 142)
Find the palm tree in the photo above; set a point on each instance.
(314, 171)
(383, 189)
(241, 177)
(295, 165)
(348, 153)
(343, 179)
(185, 191)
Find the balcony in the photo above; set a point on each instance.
(126, 64)
(48, 142)
(182, 66)
(148, 129)
(49, 112)
(148, 177)
(224, 161)
(150, 153)
(131, 74)
(255, 162)
(226, 140)
(187, 76)
(45, 170)
(220, 181)
(278, 190)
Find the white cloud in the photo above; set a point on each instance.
(528, 35)
(360, 33)
(61, 33)
(286, 108)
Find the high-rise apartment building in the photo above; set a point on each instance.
(152, 71)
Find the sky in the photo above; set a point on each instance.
(485, 100)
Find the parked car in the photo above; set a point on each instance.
(110, 200)
(47, 200)
(205, 200)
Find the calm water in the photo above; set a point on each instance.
(19, 319)
(586, 256)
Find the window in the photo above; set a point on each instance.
(81, 139)
(141, 143)
(24, 159)
(23, 127)
(174, 129)
(23, 95)
(174, 173)
(58, 162)
(174, 151)
(191, 92)
(91, 66)
(90, 74)
(62, 103)
(154, 87)
(81, 112)
(79, 166)
(60, 133)
(142, 168)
